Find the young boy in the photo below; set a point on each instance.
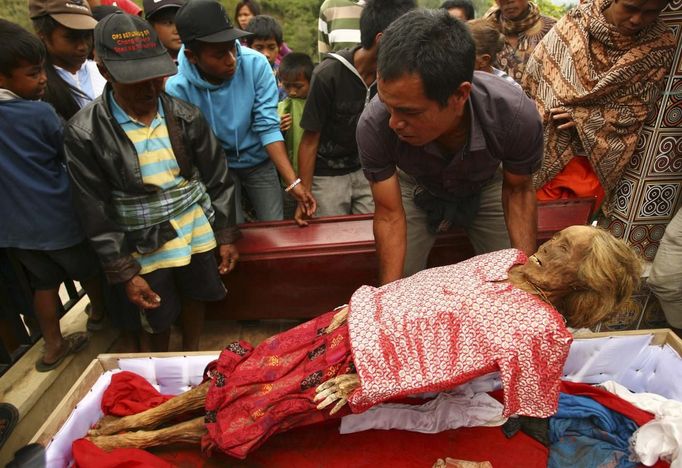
(266, 38)
(236, 90)
(161, 15)
(65, 27)
(40, 227)
(295, 73)
(342, 86)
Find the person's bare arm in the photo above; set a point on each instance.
(307, 154)
(278, 154)
(390, 228)
(520, 211)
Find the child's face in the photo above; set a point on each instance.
(164, 25)
(217, 62)
(69, 48)
(27, 80)
(267, 47)
(244, 16)
(296, 86)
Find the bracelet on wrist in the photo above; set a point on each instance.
(293, 184)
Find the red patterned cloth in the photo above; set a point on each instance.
(256, 393)
(444, 326)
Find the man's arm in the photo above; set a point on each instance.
(520, 211)
(265, 122)
(92, 200)
(307, 155)
(277, 152)
(390, 228)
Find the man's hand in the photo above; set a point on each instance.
(140, 294)
(228, 258)
(285, 122)
(300, 217)
(562, 118)
(306, 204)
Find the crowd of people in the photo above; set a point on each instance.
(134, 142)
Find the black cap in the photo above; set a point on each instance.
(152, 6)
(130, 49)
(206, 21)
(101, 11)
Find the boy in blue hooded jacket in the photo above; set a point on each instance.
(235, 89)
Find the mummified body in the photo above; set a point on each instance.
(430, 332)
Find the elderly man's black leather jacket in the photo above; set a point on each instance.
(100, 158)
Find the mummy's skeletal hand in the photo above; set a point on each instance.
(338, 320)
(336, 390)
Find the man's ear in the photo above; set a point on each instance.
(460, 96)
(3, 80)
(191, 56)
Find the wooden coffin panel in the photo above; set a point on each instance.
(289, 272)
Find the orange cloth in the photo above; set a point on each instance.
(576, 180)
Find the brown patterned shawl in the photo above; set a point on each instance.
(608, 82)
(529, 31)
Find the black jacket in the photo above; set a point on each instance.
(100, 158)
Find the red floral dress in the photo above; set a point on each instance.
(256, 393)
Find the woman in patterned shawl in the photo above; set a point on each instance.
(523, 27)
(595, 77)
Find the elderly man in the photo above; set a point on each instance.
(523, 27)
(445, 146)
(595, 78)
(151, 185)
(498, 311)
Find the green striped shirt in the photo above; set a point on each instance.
(338, 25)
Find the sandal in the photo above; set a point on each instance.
(9, 416)
(74, 343)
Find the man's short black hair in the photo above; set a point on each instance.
(295, 63)
(378, 14)
(431, 44)
(18, 45)
(264, 27)
(465, 5)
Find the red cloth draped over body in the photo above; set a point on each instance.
(577, 179)
(256, 393)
